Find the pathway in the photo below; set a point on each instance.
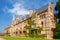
(2, 39)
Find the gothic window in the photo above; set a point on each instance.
(20, 32)
(52, 22)
(41, 17)
(16, 32)
(42, 23)
(44, 16)
(24, 31)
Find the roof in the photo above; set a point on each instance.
(22, 21)
(7, 27)
(45, 7)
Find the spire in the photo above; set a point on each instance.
(13, 19)
(50, 9)
(31, 12)
(50, 2)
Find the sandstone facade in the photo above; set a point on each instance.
(43, 17)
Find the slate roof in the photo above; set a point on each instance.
(43, 8)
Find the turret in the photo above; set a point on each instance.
(15, 20)
(31, 12)
(50, 10)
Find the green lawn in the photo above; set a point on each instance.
(20, 38)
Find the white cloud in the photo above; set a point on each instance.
(18, 9)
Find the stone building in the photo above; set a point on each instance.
(43, 17)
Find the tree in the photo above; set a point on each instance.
(58, 9)
(28, 26)
(33, 32)
(57, 32)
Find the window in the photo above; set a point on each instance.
(16, 32)
(20, 27)
(42, 24)
(34, 25)
(42, 16)
(52, 22)
(24, 31)
(20, 32)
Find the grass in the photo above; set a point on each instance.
(24, 38)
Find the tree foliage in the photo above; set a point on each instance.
(33, 32)
(57, 5)
(58, 9)
(57, 32)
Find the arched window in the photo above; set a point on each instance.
(52, 22)
(24, 31)
(16, 32)
(20, 32)
(43, 16)
(42, 23)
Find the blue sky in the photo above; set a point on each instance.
(8, 8)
